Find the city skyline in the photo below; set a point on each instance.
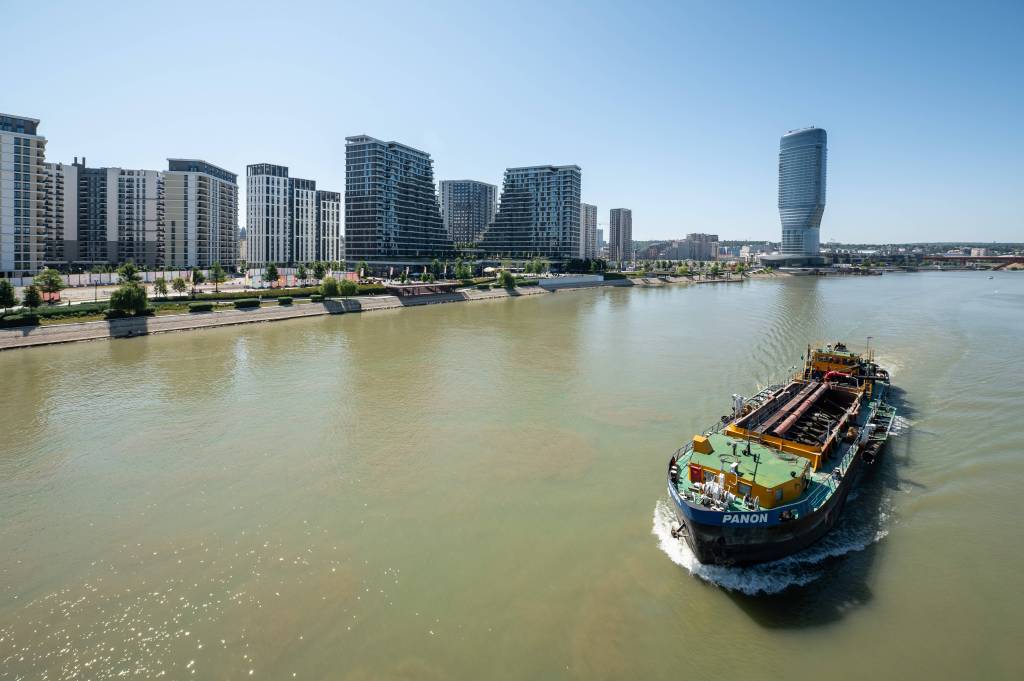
(899, 84)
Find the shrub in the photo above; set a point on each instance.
(484, 287)
(243, 303)
(329, 287)
(71, 311)
(125, 314)
(294, 292)
(527, 282)
(200, 307)
(347, 288)
(613, 275)
(129, 298)
(15, 320)
(284, 300)
(316, 298)
(506, 280)
(371, 289)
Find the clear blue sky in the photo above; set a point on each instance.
(671, 109)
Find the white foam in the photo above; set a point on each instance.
(768, 578)
(900, 425)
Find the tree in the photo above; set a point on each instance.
(507, 280)
(160, 286)
(130, 298)
(197, 279)
(7, 297)
(435, 268)
(32, 297)
(272, 273)
(319, 271)
(218, 276)
(129, 273)
(302, 273)
(243, 267)
(363, 269)
(179, 285)
(463, 270)
(347, 287)
(329, 287)
(49, 281)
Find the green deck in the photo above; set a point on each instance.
(773, 468)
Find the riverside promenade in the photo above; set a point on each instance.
(31, 336)
(142, 326)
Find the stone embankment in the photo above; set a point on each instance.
(141, 326)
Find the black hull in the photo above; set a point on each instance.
(748, 545)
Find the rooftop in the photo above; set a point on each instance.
(195, 165)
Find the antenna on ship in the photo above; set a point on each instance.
(867, 350)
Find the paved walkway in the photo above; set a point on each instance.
(141, 326)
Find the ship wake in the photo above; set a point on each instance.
(853, 533)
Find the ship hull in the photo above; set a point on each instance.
(715, 542)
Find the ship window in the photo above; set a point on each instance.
(709, 476)
(744, 488)
(778, 494)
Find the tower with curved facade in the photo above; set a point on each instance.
(802, 169)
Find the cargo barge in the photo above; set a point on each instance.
(771, 478)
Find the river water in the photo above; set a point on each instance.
(477, 491)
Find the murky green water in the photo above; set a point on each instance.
(472, 491)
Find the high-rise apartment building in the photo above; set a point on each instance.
(113, 216)
(284, 219)
(467, 207)
(539, 214)
(392, 213)
(201, 220)
(802, 172)
(23, 196)
(62, 213)
(302, 207)
(267, 221)
(588, 230)
(330, 239)
(620, 235)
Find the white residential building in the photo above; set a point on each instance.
(288, 221)
(202, 214)
(330, 232)
(23, 195)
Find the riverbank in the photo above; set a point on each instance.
(31, 336)
(71, 332)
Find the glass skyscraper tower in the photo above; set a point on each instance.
(802, 161)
